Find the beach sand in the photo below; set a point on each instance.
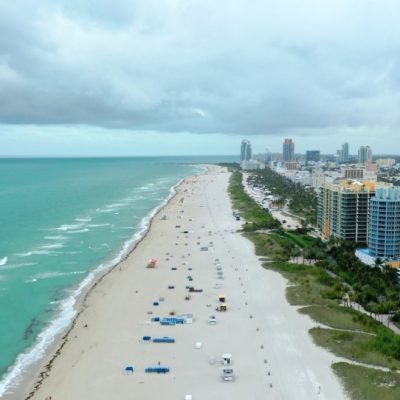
(268, 338)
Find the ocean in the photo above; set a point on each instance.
(64, 222)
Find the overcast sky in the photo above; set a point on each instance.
(136, 77)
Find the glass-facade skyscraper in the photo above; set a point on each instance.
(344, 154)
(364, 154)
(288, 150)
(384, 224)
(245, 150)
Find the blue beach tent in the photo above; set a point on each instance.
(129, 369)
(157, 369)
(165, 339)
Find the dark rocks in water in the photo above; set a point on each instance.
(30, 330)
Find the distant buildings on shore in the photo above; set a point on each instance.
(356, 197)
(313, 156)
(344, 153)
(288, 150)
(246, 159)
(364, 154)
(245, 150)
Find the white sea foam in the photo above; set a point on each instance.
(3, 261)
(35, 252)
(69, 227)
(116, 205)
(79, 231)
(88, 219)
(15, 373)
(97, 225)
(105, 210)
(56, 237)
(55, 274)
(52, 246)
(19, 265)
(67, 313)
(111, 207)
(27, 254)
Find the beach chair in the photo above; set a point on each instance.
(146, 339)
(129, 369)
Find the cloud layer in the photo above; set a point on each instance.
(238, 66)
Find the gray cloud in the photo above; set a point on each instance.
(238, 66)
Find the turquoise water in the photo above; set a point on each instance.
(61, 221)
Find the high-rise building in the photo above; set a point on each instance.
(245, 150)
(384, 224)
(344, 153)
(288, 150)
(312, 155)
(364, 154)
(343, 209)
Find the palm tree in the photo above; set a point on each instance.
(378, 262)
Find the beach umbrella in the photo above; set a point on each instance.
(152, 262)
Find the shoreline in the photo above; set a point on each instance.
(260, 325)
(43, 365)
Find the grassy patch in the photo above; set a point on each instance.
(295, 273)
(302, 295)
(310, 283)
(368, 384)
(341, 318)
(301, 240)
(270, 245)
(352, 345)
(256, 218)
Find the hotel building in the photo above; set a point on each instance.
(384, 224)
(343, 209)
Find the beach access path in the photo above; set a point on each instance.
(273, 356)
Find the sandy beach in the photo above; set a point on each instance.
(273, 356)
